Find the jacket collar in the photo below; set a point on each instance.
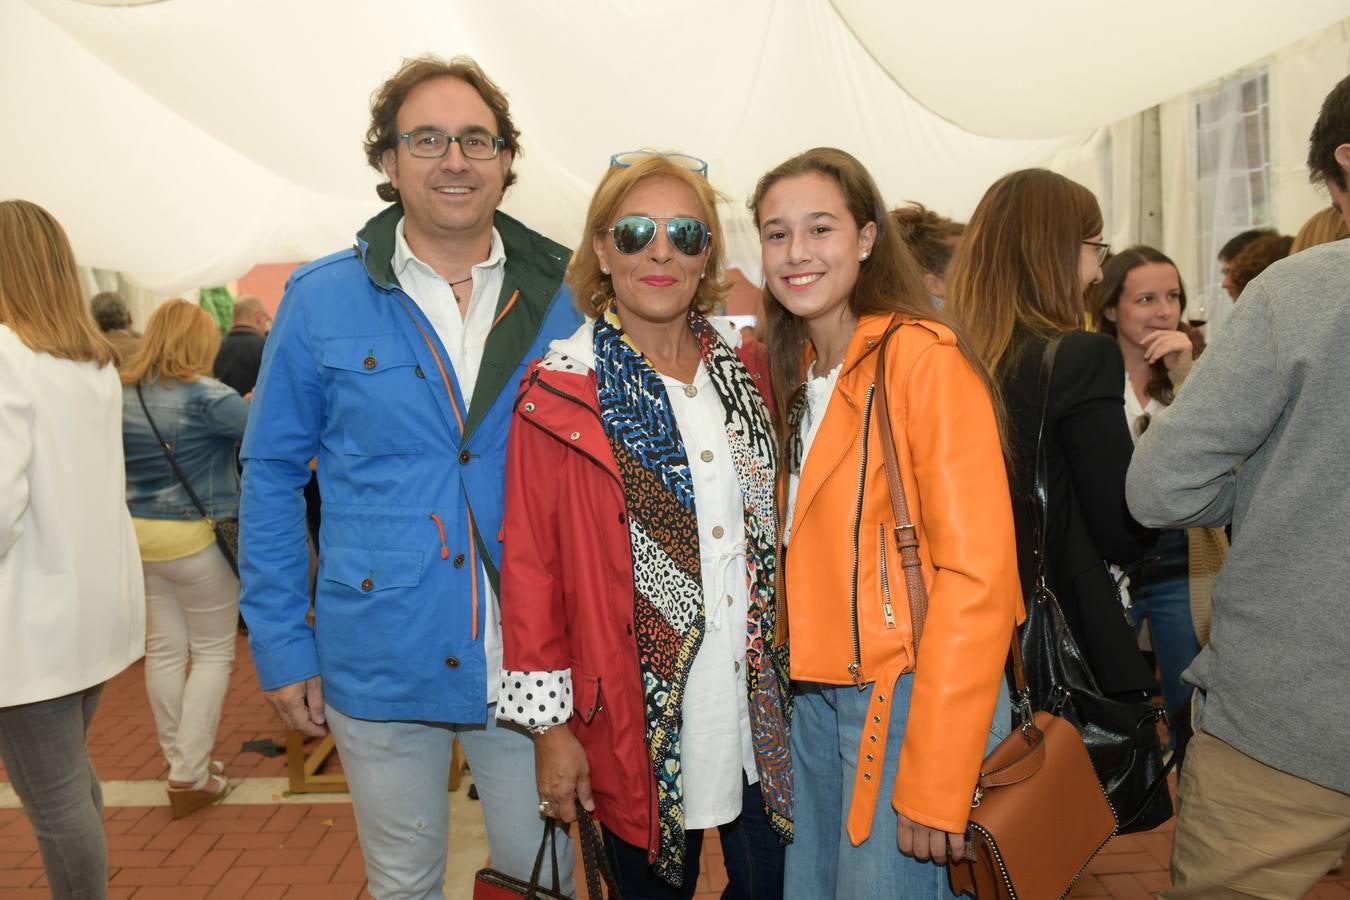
(842, 426)
(531, 279)
(867, 335)
(535, 263)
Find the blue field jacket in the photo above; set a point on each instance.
(412, 481)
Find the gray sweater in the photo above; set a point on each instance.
(1271, 396)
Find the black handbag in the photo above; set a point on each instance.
(1121, 735)
(225, 530)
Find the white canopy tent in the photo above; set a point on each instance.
(183, 141)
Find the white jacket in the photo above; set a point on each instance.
(72, 594)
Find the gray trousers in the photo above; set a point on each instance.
(42, 745)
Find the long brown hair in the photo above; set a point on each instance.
(1018, 264)
(888, 281)
(40, 296)
(180, 343)
(1106, 295)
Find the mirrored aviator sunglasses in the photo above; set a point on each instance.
(632, 234)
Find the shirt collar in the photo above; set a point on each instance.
(404, 256)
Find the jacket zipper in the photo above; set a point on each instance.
(855, 668)
(886, 608)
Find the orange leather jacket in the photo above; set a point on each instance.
(846, 600)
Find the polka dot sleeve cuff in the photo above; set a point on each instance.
(535, 700)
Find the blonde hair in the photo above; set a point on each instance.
(40, 296)
(1018, 264)
(591, 287)
(1321, 228)
(180, 343)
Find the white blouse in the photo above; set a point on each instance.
(715, 745)
(1135, 411)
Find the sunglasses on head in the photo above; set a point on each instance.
(684, 160)
(632, 234)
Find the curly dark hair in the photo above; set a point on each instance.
(385, 103)
(1331, 130)
(1256, 257)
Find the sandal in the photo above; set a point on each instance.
(185, 801)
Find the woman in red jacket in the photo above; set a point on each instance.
(638, 559)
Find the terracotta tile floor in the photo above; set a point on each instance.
(269, 851)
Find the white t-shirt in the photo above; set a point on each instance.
(715, 745)
(463, 337)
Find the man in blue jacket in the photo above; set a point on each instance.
(395, 363)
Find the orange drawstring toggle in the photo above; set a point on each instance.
(445, 551)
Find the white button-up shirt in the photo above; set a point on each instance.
(715, 745)
(463, 336)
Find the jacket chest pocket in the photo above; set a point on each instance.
(377, 393)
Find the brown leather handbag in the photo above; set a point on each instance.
(1039, 814)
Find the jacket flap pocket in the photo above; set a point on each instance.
(372, 570)
(368, 354)
(587, 689)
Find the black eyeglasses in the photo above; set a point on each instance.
(633, 233)
(1103, 249)
(428, 143)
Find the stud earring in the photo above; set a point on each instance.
(866, 253)
(604, 271)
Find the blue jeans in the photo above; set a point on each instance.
(750, 848)
(397, 773)
(42, 745)
(822, 863)
(1167, 605)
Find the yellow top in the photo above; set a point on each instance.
(163, 540)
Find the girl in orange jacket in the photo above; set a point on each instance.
(869, 724)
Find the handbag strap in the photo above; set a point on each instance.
(550, 841)
(593, 858)
(1040, 491)
(906, 535)
(168, 454)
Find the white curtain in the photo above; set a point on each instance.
(1232, 187)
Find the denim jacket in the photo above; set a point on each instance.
(203, 421)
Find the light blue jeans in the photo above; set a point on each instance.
(822, 863)
(43, 748)
(397, 773)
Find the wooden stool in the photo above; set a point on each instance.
(302, 769)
